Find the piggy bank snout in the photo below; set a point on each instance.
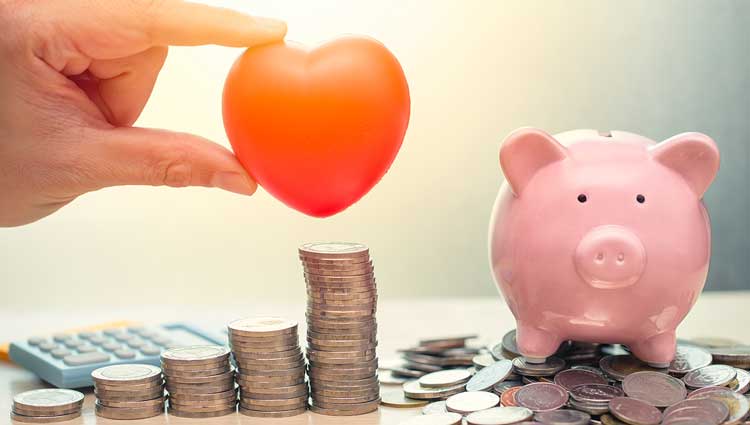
(610, 257)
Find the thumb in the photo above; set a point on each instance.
(139, 156)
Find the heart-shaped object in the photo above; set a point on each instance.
(317, 128)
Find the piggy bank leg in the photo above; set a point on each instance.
(657, 351)
(536, 344)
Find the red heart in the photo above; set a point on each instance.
(319, 128)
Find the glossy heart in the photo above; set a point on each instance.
(317, 128)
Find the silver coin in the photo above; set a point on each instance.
(445, 378)
(499, 416)
(655, 388)
(634, 411)
(550, 366)
(434, 408)
(571, 378)
(743, 381)
(696, 411)
(488, 376)
(130, 373)
(333, 249)
(48, 398)
(500, 387)
(471, 401)
(482, 360)
(596, 393)
(196, 353)
(738, 404)
(713, 375)
(688, 358)
(542, 396)
(412, 389)
(563, 417)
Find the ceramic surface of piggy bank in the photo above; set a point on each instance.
(601, 237)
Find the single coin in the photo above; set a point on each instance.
(262, 326)
(688, 358)
(509, 344)
(396, 398)
(541, 396)
(195, 354)
(701, 411)
(434, 408)
(738, 404)
(508, 397)
(655, 388)
(45, 399)
(620, 366)
(597, 393)
(571, 378)
(500, 387)
(44, 419)
(563, 417)
(130, 373)
(550, 367)
(448, 418)
(472, 401)
(499, 416)
(490, 375)
(482, 360)
(445, 378)
(713, 375)
(322, 250)
(446, 342)
(634, 411)
(738, 356)
(277, 414)
(412, 389)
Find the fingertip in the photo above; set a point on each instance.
(235, 182)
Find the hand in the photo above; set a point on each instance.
(74, 77)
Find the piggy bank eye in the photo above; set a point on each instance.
(640, 198)
(582, 198)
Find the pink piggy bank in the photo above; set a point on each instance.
(601, 238)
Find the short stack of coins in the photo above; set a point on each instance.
(271, 368)
(128, 391)
(47, 406)
(200, 381)
(341, 328)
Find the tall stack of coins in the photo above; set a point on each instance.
(200, 381)
(46, 406)
(271, 368)
(341, 328)
(128, 391)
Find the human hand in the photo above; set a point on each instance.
(74, 77)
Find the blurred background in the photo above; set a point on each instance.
(477, 70)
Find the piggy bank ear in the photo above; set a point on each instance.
(694, 156)
(524, 153)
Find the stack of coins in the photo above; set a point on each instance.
(271, 368)
(341, 328)
(47, 406)
(200, 381)
(128, 391)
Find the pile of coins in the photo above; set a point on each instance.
(271, 368)
(341, 328)
(582, 384)
(200, 381)
(46, 406)
(128, 391)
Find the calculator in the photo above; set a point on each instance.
(66, 360)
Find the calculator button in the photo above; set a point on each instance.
(112, 331)
(124, 337)
(86, 349)
(124, 353)
(150, 350)
(136, 343)
(36, 340)
(59, 353)
(136, 329)
(161, 340)
(73, 343)
(98, 339)
(149, 333)
(61, 337)
(86, 358)
(111, 346)
(86, 335)
(48, 346)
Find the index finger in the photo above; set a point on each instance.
(182, 23)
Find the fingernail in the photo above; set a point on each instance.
(272, 25)
(233, 182)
